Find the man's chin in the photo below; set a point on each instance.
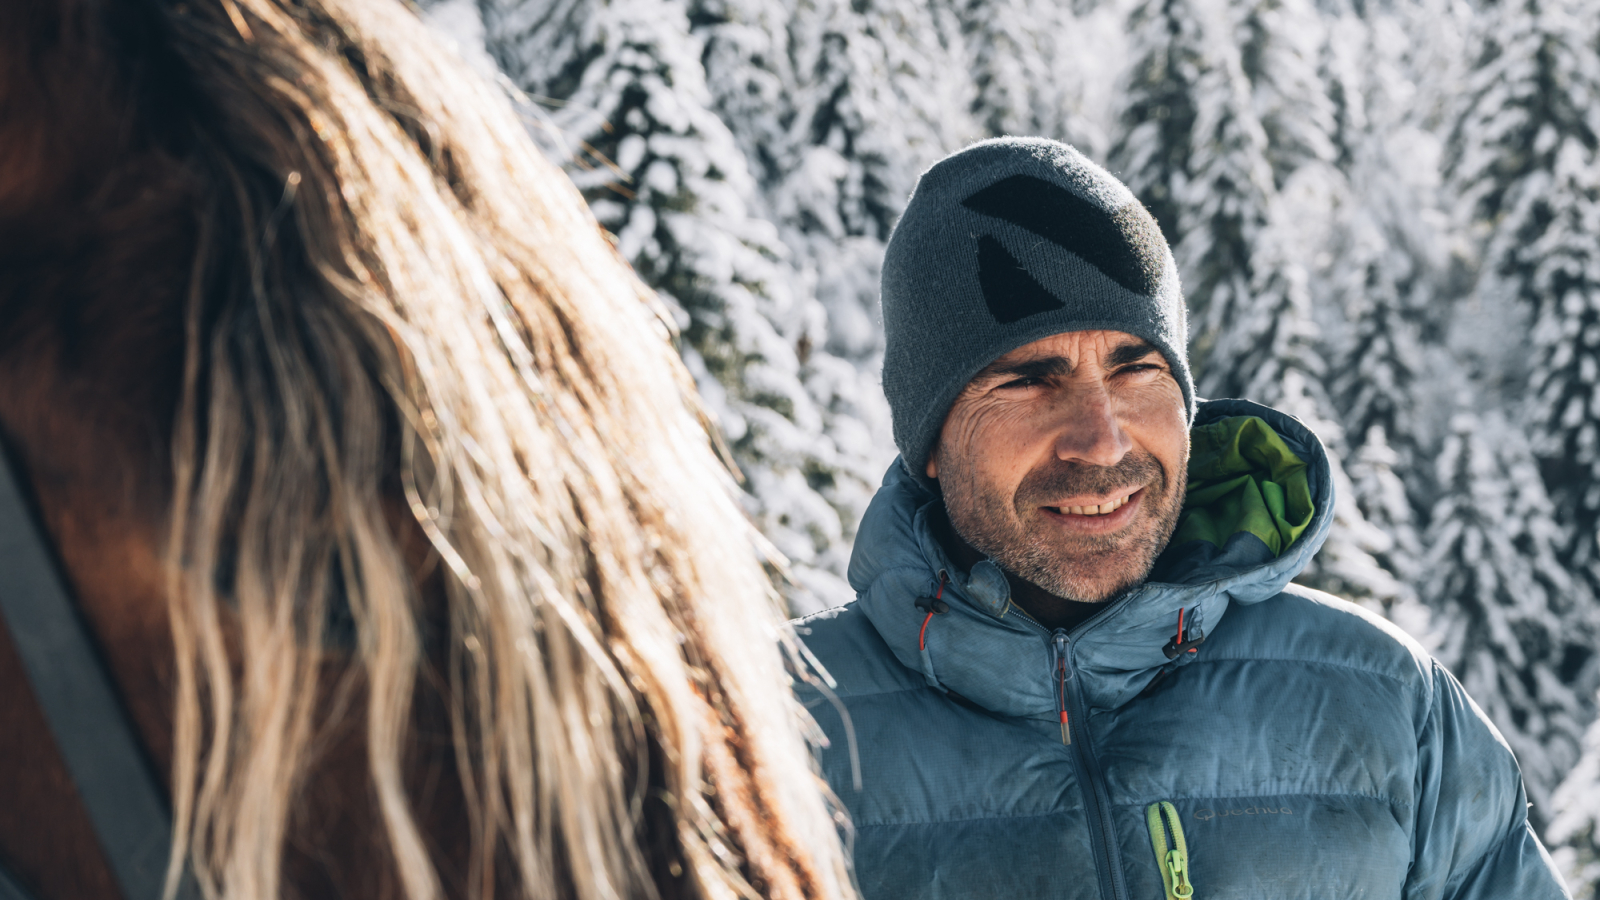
(1092, 588)
(1085, 593)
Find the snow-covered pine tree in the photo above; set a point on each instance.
(1377, 377)
(1431, 38)
(664, 174)
(1378, 482)
(1524, 158)
(1274, 120)
(1198, 153)
(1170, 58)
(839, 106)
(1379, 278)
(1574, 832)
(1279, 45)
(751, 78)
(1504, 598)
(874, 92)
(1032, 67)
(756, 76)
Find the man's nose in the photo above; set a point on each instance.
(1089, 430)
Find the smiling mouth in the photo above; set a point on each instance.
(1101, 509)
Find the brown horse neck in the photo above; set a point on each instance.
(93, 219)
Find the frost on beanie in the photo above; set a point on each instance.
(1003, 243)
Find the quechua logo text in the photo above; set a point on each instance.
(1206, 814)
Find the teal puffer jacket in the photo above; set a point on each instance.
(1305, 749)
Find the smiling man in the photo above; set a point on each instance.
(1076, 667)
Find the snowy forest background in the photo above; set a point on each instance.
(1386, 215)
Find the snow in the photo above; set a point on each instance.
(1386, 217)
(1521, 159)
(1575, 832)
(1492, 555)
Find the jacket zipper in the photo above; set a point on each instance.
(1059, 650)
(1097, 803)
(1174, 860)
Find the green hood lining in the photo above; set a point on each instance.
(1244, 478)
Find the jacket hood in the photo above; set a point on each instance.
(984, 649)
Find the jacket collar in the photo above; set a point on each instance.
(986, 650)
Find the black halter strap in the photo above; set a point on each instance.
(115, 781)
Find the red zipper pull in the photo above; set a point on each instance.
(1066, 726)
(933, 606)
(1061, 689)
(1182, 642)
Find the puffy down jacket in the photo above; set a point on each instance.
(1305, 748)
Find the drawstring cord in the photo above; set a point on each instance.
(1185, 641)
(934, 607)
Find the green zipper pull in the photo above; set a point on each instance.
(1178, 867)
(1173, 862)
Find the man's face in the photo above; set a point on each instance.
(1065, 462)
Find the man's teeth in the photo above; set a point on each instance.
(1099, 510)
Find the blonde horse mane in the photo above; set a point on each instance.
(431, 421)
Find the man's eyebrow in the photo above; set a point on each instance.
(1053, 366)
(1130, 353)
(1038, 367)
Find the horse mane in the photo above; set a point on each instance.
(423, 473)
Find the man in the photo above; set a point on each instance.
(1076, 667)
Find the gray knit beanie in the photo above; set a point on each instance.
(1003, 243)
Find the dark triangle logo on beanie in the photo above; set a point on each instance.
(1126, 245)
(1008, 289)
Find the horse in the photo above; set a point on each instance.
(375, 480)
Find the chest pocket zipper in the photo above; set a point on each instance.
(1174, 861)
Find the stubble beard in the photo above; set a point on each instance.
(1089, 568)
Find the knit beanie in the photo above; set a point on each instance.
(1003, 243)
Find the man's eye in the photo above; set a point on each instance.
(1025, 382)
